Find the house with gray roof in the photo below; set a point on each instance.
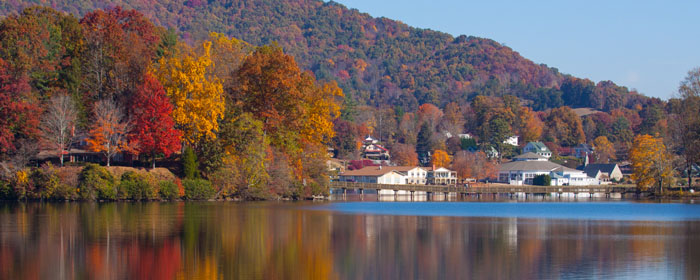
(537, 148)
(524, 168)
(603, 172)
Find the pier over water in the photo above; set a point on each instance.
(478, 189)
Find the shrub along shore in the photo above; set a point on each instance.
(97, 183)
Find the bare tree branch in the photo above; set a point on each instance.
(57, 124)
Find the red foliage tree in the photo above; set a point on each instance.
(154, 131)
(119, 46)
(20, 116)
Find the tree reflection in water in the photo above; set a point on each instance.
(286, 240)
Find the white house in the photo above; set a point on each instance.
(376, 152)
(369, 140)
(442, 176)
(400, 175)
(537, 148)
(603, 172)
(524, 168)
(513, 140)
(375, 175)
(417, 175)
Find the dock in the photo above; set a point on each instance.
(494, 189)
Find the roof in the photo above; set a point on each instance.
(540, 146)
(529, 155)
(584, 147)
(440, 169)
(592, 169)
(377, 171)
(535, 165)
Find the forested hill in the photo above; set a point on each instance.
(377, 61)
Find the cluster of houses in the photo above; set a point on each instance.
(521, 170)
(535, 161)
(401, 175)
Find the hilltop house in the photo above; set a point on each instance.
(538, 148)
(524, 168)
(512, 140)
(371, 149)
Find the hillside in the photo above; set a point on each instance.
(377, 61)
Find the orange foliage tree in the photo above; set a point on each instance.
(604, 150)
(532, 126)
(651, 162)
(430, 114)
(473, 165)
(440, 158)
(564, 127)
(404, 154)
(295, 111)
(110, 130)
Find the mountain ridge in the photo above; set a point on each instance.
(377, 61)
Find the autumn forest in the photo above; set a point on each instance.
(241, 99)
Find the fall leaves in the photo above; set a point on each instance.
(650, 161)
(123, 85)
(197, 97)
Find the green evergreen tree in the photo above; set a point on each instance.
(189, 164)
(542, 180)
(497, 131)
(424, 143)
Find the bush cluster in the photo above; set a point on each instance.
(136, 186)
(95, 182)
(198, 189)
(168, 190)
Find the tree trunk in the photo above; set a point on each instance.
(690, 176)
(154, 161)
(61, 157)
(107, 160)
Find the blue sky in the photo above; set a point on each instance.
(645, 45)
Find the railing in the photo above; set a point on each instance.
(489, 189)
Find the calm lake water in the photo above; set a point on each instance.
(350, 240)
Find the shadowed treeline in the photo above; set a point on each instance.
(286, 240)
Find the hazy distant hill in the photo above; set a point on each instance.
(377, 61)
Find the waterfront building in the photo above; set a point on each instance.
(603, 172)
(524, 168)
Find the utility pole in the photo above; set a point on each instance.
(380, 127)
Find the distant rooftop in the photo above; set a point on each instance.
(529, 155)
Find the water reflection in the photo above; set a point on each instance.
(286, 240)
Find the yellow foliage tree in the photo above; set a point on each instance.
(228, 53)
(196, 95)
(604, 150)
(440, 159)
(651, 163)
(321, 110)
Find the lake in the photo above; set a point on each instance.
(351, 240)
